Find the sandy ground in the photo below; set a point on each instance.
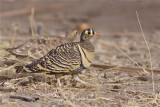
(117, 23)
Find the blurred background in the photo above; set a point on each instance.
(103, 15)
(116, 21)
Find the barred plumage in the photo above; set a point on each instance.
(66, 58)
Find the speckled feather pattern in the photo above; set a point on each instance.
(37, 47)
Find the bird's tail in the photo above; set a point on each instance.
(20, 69)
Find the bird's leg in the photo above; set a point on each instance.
(79, 80)
(83, 82)
(59, 82)
(58, 76)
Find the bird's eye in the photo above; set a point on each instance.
(75, 32)
(89, 32)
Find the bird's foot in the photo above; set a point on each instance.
(59, 83)
(86, 84)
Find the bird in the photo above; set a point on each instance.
(38, 46)
(68, 58)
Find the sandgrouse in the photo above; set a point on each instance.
(38, 46)
(68, 58)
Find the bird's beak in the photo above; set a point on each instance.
(96, 34)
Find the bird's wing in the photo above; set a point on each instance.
(37, 47)
(64, 58)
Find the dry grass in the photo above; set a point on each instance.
(33, 23)
(149, 52)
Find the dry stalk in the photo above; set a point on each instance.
(129, 57)
(150, 57)
(32, 23)
(125, 69)
(24, 98)
(15, 28)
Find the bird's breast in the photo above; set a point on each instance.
(86, 56)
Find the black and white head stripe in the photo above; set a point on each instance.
(89, 32)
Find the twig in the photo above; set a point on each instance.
(7, 89)
(33, 27)
(125, 69)
(25, 98)
(150, 57)
(25, 11)
(15, 28)
(4, 77)
(130, 58)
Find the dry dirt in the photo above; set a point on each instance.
(117, 23)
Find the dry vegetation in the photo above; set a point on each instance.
(119, 76)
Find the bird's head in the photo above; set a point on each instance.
(71, 34)
(87, 34)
